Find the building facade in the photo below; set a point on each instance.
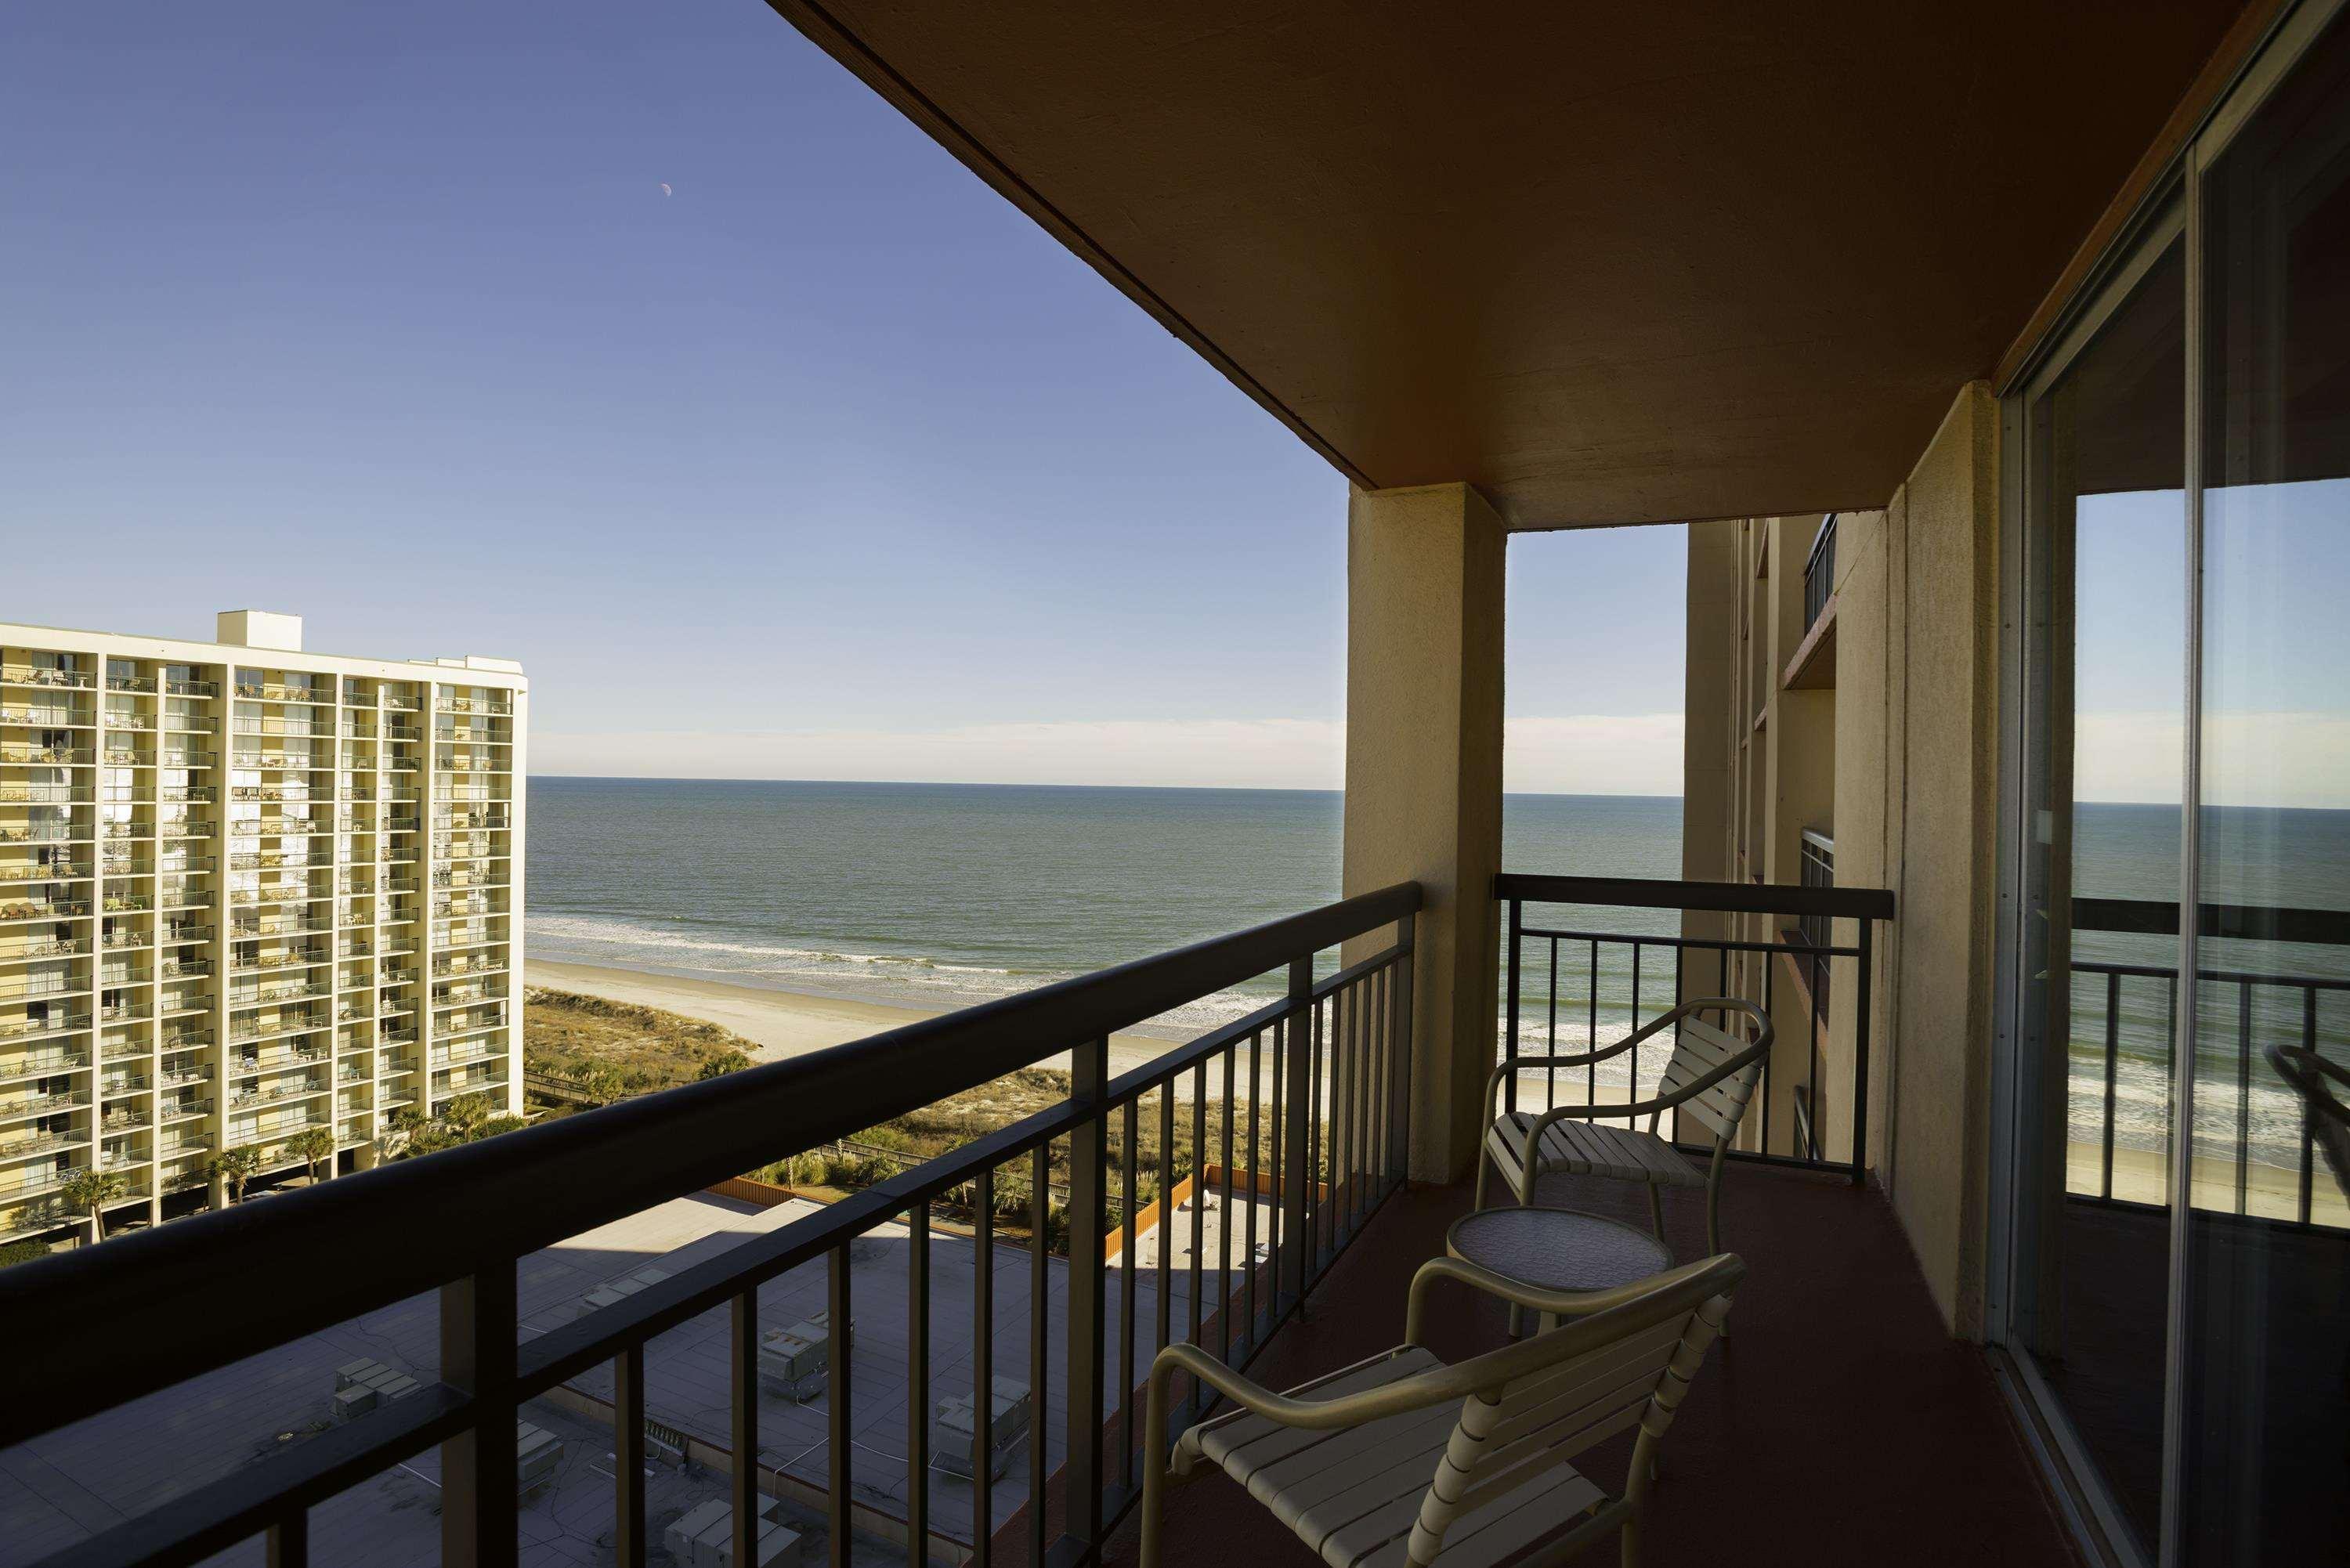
(246, 892)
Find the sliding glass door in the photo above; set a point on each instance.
(2177, 1262)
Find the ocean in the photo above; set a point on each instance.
(939, 896)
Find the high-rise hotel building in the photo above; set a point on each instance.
(245, 891)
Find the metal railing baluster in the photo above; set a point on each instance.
(2113, 1063)
(2243, 1097)
(983, 1376)
(742, 1385)
(918, 1386)
(1081, 1495)
(479, 1501)
(1224, 1222)
(1256, 1051)
(840, 1396)
(1311, 1176)
(1040, 1282)
(1128, 1431)
(2308, 1125)
(1199, 1203)
(629, 1542)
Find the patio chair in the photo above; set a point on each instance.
(1710, 1078)
(1407, 1461)
(2321, 1085)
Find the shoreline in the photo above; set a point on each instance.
(783, 1024)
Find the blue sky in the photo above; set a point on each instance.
(827, 461)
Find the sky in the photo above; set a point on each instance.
(823, 462)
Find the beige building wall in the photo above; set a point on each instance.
(1897, 759)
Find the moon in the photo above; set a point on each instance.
(665, 190)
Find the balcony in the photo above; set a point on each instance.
(18, 873)
(43, 947)
(55, 1024)
(177, 688)
(13, 910)
(282, 692)
(30, 753)
(44, 717)
(44, 676)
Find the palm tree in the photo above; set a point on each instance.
(316, 1145)
(235, 1167)
(466, 1112)
(90, 1190)
(399, 1130)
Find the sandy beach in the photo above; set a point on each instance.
(783, 1022)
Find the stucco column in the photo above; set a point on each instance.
(1424, 582)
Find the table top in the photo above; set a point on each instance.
(1557, 1249)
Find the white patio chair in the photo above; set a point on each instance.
(1405, 1461)
(1710, 1078)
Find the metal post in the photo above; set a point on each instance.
(1860, 1056)
(918, 1386)
(1510, 1010)
(1407, 930)
(628, 1458)
(1297, 1260)
(1081, 1503)
(743, 1378)
(478, 1494)
(840, 1323)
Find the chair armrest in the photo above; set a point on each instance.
(1550, 1063)
(1416, 1392)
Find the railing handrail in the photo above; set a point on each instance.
(2248, 922)
(324, 1254)
(1725, 898)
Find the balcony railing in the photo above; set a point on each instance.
(43, 794)
(1310, 1093)
(1572, 987)
(42, 675)
(1819, 572)
(28, 754)
(2126, 1014)
(47, 718)
(12, 909)
(278, 691)
(44, 871)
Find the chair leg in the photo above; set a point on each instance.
(1713, 1217)
(1485, 1174)
(1657, 1211)
(1631, 1536)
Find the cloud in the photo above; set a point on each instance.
(1596, 755)
(2265, 759)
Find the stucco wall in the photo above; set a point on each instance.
(1424, 600)
(1917, 779)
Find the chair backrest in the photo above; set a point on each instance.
(2314, 1079)
(1521, 1433)
(1700, 1049)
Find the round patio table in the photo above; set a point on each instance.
(1556, 1249)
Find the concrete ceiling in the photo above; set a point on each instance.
(1609, 263)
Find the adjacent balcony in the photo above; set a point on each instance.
(16, 909)
(47, 716)
(38, 754)
(284, 692)
(45, 676)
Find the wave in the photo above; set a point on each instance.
(921, 980)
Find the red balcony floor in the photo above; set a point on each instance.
(1838, 1424)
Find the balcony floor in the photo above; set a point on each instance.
(1838, 1424)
